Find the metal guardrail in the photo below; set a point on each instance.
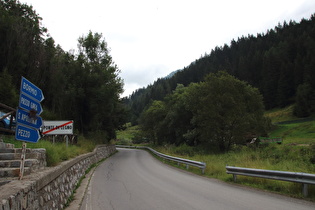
(187, 162)
(303, 178)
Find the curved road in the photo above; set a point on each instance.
(133, 179)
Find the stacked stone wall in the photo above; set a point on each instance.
(52, 187)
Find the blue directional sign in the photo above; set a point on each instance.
(24, 133)
(32, 90)
(23, 117)
(29, 103)
(27, 115)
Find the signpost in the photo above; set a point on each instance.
(58, 127)
(22, 117)
(28, 103)
(24, 133)
(32, 90)
(27, 115)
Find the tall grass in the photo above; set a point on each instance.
(125, 137)
(58, 152)
(281, 114)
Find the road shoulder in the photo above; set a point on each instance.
(81, 192)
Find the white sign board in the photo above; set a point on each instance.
(58, 127)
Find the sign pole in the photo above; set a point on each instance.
(22, 161)
(67, 141)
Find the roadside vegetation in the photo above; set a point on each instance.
(129, 135)
(57, 152)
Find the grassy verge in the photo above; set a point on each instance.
(58, 152)
(271, 157)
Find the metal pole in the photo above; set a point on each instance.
(305, 189)
(22, 161)
(234, 177)
(67, 141)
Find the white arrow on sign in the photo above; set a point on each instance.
(24, 133)
(24, 118)
(28, 103)
(32, 90)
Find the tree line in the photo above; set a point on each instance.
(83, 86)
(217, 113)
(280, 63)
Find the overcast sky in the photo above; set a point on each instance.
(151, 38)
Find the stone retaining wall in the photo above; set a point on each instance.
(50, 188)
(10, 160)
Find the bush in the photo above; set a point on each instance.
(184, 149)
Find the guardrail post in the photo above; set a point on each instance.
(305, 189)
(187, 166)
(234, 177)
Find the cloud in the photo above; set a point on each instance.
(151, 38)
(141, 76)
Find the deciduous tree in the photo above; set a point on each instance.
(225, 110)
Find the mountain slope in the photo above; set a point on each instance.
(277, 63)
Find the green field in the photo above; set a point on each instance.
(293, 130)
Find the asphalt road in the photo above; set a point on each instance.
(133, 179)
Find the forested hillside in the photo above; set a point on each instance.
(83, 86)
(280, 63)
